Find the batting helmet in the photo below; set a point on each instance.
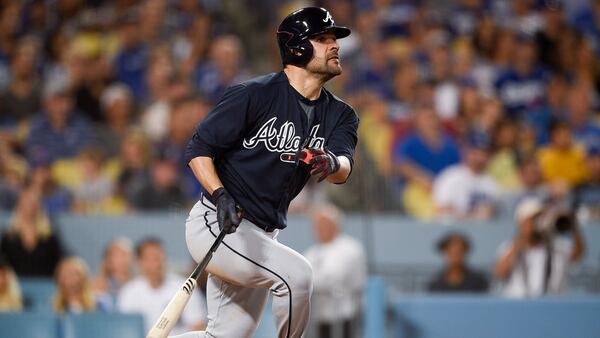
(295, 30)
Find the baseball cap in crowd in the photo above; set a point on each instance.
(527, 208)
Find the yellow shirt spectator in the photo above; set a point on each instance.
(567, 165)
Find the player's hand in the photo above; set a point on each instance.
(322, 161)
(227, 213)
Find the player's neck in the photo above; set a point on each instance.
(304, 82)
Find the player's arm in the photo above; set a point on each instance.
(205, 172)
(342, 174)
(221, 130)
(334, 162)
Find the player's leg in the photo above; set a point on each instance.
(252, 258)
(233, 310)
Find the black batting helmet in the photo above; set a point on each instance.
(295, 30)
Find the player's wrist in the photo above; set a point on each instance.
(335, 161)
(218, 193)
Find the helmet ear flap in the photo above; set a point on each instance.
(301, 54)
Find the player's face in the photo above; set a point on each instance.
(326, 59)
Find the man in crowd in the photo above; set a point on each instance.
(537, 260)
(150, 293)
(339, 271)
(457, 276)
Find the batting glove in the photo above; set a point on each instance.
(322, 161)
(227, 213)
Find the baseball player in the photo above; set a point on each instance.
(253, 154)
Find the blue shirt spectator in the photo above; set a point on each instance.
(130, 66)
(415, 149)
(427, 151)
(521, 92)
(132, 59)
(522, 87)
(58, 132)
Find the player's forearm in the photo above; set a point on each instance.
(204, 170)
(342, 174)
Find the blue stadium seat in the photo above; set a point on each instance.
(101, 325)
(28, 325)
(38, 293)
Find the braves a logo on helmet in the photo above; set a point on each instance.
(283, 140)
(328, 18)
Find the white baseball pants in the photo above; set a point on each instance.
(248, 265)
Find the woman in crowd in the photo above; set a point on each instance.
(74, 290)
(29, 244)
(116, 268)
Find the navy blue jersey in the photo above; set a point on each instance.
(253, 133)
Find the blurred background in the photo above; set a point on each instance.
(474, 203)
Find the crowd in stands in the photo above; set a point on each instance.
(483, 99)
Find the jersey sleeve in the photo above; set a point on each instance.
(342, 141)
(224, 126)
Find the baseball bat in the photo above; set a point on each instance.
(172, 312)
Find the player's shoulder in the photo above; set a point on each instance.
(338, 102)
(264, 81)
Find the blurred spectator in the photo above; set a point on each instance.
(224, 68)
(73, 288)
(152, 290)
(159, 79)
(503, 166)
(116, 268)
(133, 165)
(521, 87)
(586, 22)
(162, 191)
(420, 157)
(586, 200)
(548, 38)
(116, 103)
(427, 151)
(59, 132)
(21, 100)
(554, 109)
(340, 273)
(457, 276)
(465, 191)
(187, 112)
(132, 58)
(55, 199)
(29, 244)
(93, 194)
(376, 132)
(579, 113)
(10, 292)
(537, 260)
(13, 172)
(562, 161)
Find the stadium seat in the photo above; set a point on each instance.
(101, 325)
(28, 325)
(38, 294)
